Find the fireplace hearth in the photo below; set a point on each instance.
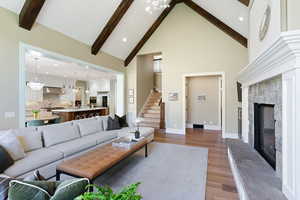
(264, 132)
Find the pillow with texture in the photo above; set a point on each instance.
(30, 138)
(113, 124)
(5, 160)
(43, 190)
(12, 145)
(122, 121)
(4, 187)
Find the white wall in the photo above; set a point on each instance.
(206, 111)
(255, 46)
(191, 44)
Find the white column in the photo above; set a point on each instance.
(120, 95)
(245, 116)
(291, 134)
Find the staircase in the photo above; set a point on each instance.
(150, 115)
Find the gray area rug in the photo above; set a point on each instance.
(171, 172)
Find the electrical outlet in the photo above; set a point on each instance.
(9, 115)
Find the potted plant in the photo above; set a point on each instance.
(35, 113)
(106, 193)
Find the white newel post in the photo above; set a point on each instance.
(291, 134)
(245, 116)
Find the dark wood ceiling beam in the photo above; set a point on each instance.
(29, 13)
(212, 19)
(111, 25)
(150, 31)
(245, 2)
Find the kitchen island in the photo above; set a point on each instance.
(80, 113)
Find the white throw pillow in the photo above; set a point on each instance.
(12, 145)
(89, 126)
(30, 138)
(59, 133)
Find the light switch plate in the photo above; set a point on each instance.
(9, 115)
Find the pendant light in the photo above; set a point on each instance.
(35, 85)
(87, 91)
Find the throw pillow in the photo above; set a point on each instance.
(43, 190)
(5, 160)
(113, 124)
(10, 142)
(122, 121)
(4, 187)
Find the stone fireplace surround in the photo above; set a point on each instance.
(267, 92)
(274, 77)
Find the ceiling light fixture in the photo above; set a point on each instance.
(241, 19)
(124, 39)
(156, 5)
(35, 85)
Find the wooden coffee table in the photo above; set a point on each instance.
(96, 162)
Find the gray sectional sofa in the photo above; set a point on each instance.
(47, 146)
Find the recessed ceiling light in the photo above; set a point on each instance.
(241, 19)
(86, 67)
(47, 72)
(124, 39)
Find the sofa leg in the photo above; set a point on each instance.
(57, 175)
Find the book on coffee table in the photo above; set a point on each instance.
(126, 142)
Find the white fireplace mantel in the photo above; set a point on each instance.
(282, 56)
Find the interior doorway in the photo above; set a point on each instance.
(204, 101)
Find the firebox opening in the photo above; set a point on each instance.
(264, 132)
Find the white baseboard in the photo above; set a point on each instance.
(207, 127)
(231, 135)
(212, 127)
(175, 131)
(189, 125)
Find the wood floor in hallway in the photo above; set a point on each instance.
(220, 183)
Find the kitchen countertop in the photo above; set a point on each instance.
(42, 118)
(79, 109)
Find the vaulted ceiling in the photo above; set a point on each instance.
(86, 21)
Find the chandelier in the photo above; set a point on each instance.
(155, 5)
(35, 85)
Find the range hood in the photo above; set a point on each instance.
(53, 90)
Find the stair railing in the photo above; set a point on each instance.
(162, 124)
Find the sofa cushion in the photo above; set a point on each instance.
(59, 133)
(89, 126)
(11, 144)
(33, 161)
(104, 121)
(103, 136)
(74, 146)
(30, 138)
(5, 160)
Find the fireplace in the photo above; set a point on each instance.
(264, 132)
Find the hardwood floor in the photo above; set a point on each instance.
(220, 183)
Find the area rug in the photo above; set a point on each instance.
(171, 172)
